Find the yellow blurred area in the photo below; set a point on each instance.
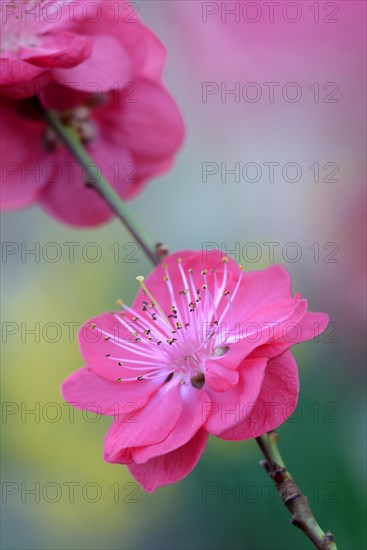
(46, 439)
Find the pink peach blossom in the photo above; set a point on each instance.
(204, 349)
(34, 41)
(113, 97)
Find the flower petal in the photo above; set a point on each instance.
(260, 288)
(153, 126)
(227, 409)
(66, 196)
(95, 73)
(24, 163)
(193, 415)
(310, 326)
(84, 389)
(171, 467)
(62, 50)
(152, 424)
(16, 71)
(275, 403)
(218, 378)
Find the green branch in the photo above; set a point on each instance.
(96, 181)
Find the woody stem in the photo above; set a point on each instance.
(291, 495)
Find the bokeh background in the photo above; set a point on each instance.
(55, 449)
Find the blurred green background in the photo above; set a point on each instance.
(80, 502)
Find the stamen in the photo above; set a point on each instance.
(140, 278)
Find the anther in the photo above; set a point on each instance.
(221, 351)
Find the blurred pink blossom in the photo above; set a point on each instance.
(104, 77)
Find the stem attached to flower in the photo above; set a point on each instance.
(95, 180)
(290, 494)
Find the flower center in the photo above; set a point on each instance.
(179, 340)
(80, 120)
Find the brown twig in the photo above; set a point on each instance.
(291, 495)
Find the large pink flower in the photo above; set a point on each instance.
(112, 94)
(203, 350)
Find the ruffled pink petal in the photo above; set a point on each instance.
(275, 403)
(309, 327)
(170, 467)
(146, 51)
(61, 98)
(227, 409)
(63, 50)
(122, 22)
(106, 68)
(260, 288)
(24, 90)
(66, 16)
(16, 71)
(153, 423)
(218, 378)
(86, 390)
(193, 415)
(24, 162)
(153, 126)
(268, 324)
(149, 170)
